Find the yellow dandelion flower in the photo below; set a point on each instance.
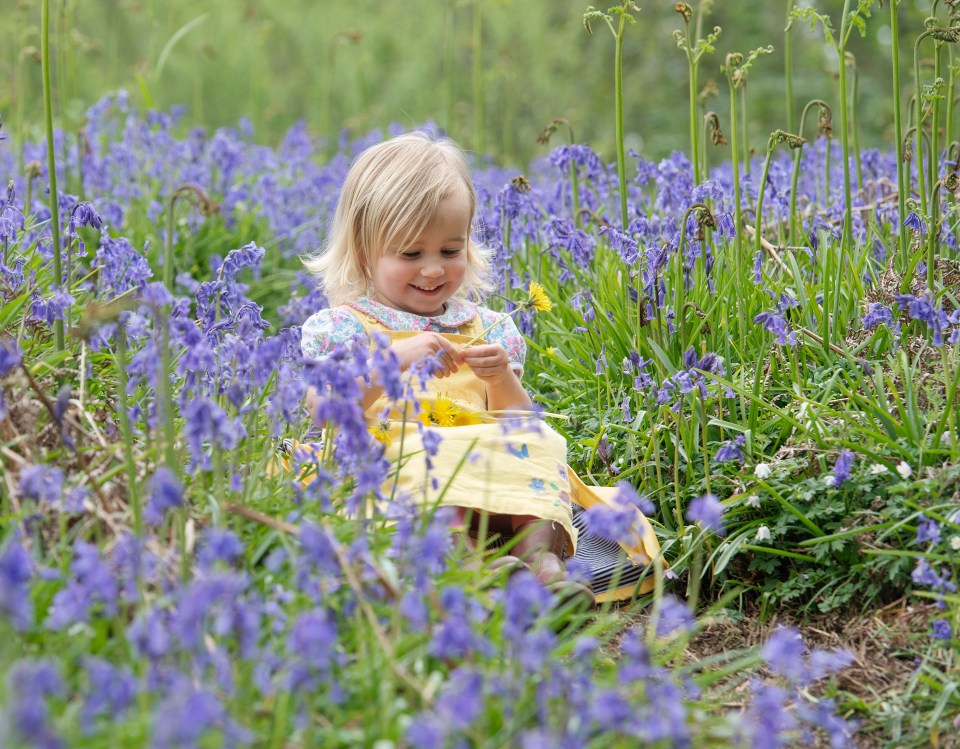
(537, 298)
(381, 433)
(441, 413)
(465, 418)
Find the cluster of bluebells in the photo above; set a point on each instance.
(692, 377)
(925, 309)
(939, 578)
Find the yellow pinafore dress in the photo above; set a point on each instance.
(504, 466)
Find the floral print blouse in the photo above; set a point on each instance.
(325, 329)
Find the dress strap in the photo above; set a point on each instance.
(472, 327)
(369, 323)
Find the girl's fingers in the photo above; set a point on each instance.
(484, 361)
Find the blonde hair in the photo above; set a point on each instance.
(392, 193)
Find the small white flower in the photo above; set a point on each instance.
(955, 543)
(763, 533)
(830, 480)
(877, 468)
(904, 469)
(762, 471)
(753, 501)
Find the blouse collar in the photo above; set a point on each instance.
(458, 311)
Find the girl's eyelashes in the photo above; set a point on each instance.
(414, 254)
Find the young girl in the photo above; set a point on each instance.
(400, 261)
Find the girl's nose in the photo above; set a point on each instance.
(432, 270)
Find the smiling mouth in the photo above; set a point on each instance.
(426, 290)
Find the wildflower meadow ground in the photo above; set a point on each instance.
(760, 349)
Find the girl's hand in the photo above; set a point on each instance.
(488, 361)
(418, 347)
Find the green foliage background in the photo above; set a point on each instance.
(364, 64)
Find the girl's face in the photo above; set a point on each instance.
(422, 275)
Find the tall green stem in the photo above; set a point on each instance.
(704, 210)
(847, 243)
(934, 171)
(735, 154)
(621, 154)
(777, 137)
(51, 160)
(788, 66)
(694, 123)
(903, 174)
(478, 113)
(853, 121)
(795, 225)
(918, 123)
(743, 123)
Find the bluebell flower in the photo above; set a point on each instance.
(112, 690)
(823, 715)
(925, 309)
(731, 450)
(925, 574)
(188, 714)
(624, 245)
(841, 469)
(312, 645)
(674, 615)
(915, 224)
(877, 314)
(787, 656)
(218, 545)
(91, 582)
(928, 531)
(524, 601)
(13, 277)
(941, 630)
(31, 683)
(427, 732)
(783, 651)
(454, 637)
(777, 324)
(164, 492)
(708, 511)
(48, 310)
(207, 422)
(10, 357)
(767, 722)
(16, 571)
(461, 699)
(41, 483)
(149, 633)
(431, 441)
